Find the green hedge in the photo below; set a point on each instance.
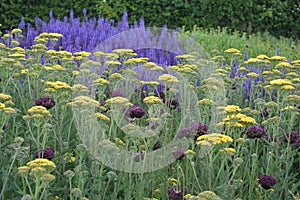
(279, 17)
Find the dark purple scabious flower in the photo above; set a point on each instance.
(173, 194)
(178, 154)
(254, 132)
(139, 157)
(136, 112)
(172, 104)
(157, 145)
(297, 144)
(48, 153)
(117, 93)
(47, 102)
(291, 137)
(266, 181)
(195, 130)
(4, 127)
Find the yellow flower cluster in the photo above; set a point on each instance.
(232, 50)
(253, 75)
(102, 117)
(154, 83)
(167, 78)
(152, 100)
(232, 109)
(37, 112)
(56, 86)
(100, 82)
(256, 60)
(118, 101)
(39, 168)
(213, 139)
(135, 61)
(84, 101)
(124, 52)
(228, 151)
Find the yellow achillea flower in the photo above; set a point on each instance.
(232, 50)
(79, 87)
(117, 100)
(186, 57)
(230, 109)
(41, 162)
(168, 78)
(214, 138)
(120, 142)
(287, 87)
(16, 31)
(101, 82)
(82, 54)
(154, 83)
(243, 69)
(47, 177)
(23, 169)
(263, 57)
(205, 102)
(38, 112)
(287, 108)
(99, 54)
(152, 100)
(102, 117)
(172, 181)
(84, 101)
(58, 85)
(222, 58)
(278, 58)
(187, 69)
(253, 75)
(240, 140)
(135, 61)
(9, 110)
(204, 143)
(227, 151)
(124, 52)
(112, 63)
(190, 153)
(112, 56)
(75, 73)
(5, 97)
(116, 76)
(157, 68)
(280, 82)
(283, 64)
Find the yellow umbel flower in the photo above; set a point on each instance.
(230, 109)
(228, 151)
(214, 138)
(280, 82)
(253, 75)
(168, 78)
(232, 50)
(152, 100)
(101, 82)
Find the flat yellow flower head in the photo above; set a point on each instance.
(152, 100)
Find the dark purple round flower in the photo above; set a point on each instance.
(48, 153)
(139, 157)
(255, 132)
(47, 102)
(195, 130)
(267, 181)
(173, 194)
(4, 127)
(172, 104)
(157, 145)
(136, 112)
(291, 137)
(179, 154)
(297, 143)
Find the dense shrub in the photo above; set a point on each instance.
(280, 18)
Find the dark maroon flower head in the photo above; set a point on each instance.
(173, 194)
(195, 130)
(157, 145)
(102, 103)
(297, 144)
(172, 104)
(4, 127)
(267, 181)
(48, 153)
(139, 157)
(117, 93)
(136, 112)
(179, 154)
(255, 132)
(47, 102)
(291, 137)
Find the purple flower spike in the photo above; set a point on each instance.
(266, 181)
